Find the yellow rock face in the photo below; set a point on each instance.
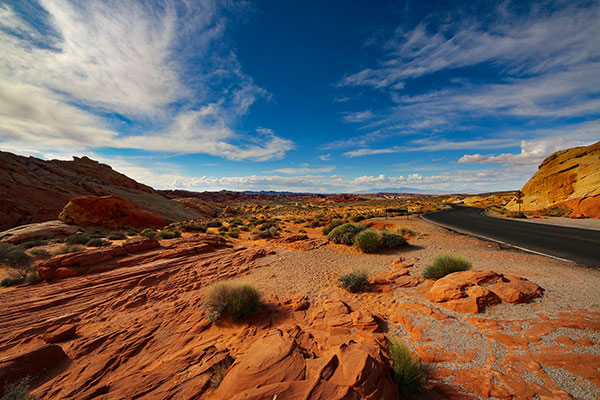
(569, 178)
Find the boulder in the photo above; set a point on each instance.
(108, 211)
(30, 363)
(60, 334)
(39, 231)
(473, 291)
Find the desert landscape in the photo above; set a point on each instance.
(113, 300)
(299, 200)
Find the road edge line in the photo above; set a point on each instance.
(478, 236)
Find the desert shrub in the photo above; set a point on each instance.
(166, 234)
(302, 231)
(116, 236)
(236, 222)
(97, 242)
(316, 223)
(405, 231)
(78, 239)
(6, 282)
(32, 243)
(333, 224)
(69, 248)
(267, 234)
(18, 391)
(367, 241)
(14, 256)
(234, 233)
(357, 218)
(32, 278)
(132, 232)
(267, 225)
(515, 214)
(446, 264)
(407, 371)
(392, 240)
(237, 301)
(223, 229)
(344, 234)
(40, 253)
(213, 224)
(149, 233)
(244, 228)
(97, 235)
(193, 227)
(355, 281)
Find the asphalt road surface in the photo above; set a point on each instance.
(579, 245)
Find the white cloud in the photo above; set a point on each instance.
(304, 170)
(128, 58)
(360, 116)
(325, 157)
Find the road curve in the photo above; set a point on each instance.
(579, 245)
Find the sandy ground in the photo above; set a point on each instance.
(587, 223)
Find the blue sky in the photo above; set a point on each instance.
(319, 96)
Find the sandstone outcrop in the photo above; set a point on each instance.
(108, 211)
(204, 208)
(34, 190)
(567, 179)
(473, 291)
(60, 334)
(39, 231)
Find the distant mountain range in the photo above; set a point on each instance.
(402, 190)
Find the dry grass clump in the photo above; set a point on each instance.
(219, 371)
(67, 248)
(237, 301)
(18, 390)
(168, 234)
(407, 371)
(446, 264)
(97, 242)
(355, 281)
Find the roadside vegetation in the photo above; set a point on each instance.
(355, 282)
(407, 371)
(446, 264)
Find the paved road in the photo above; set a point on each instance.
(579, 245)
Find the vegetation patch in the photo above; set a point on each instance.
(32, 243)
(149, 233)
(344, 234)
(213, 224)
(14, 256)
(166, 234)
(355, 281)
(446, 264)
(333, 224)
(78, 239)
(237, 301)
(97, 242)
(264, 234)
(392, 240)
(69, 248)
(116, 236)
(18, 391)
(367, 241)
(219, 372)
(407, 371)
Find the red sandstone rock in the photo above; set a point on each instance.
(31, 363)
(136, 246)
(60, 334)
(466, 291)
(389, 276)
(108, 211)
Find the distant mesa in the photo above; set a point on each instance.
(568, 179)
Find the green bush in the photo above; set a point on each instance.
(40, 253)
(213, 224)
(355, 281)
(78, 239)
(194, 227)
(333, 224)
(14, 256)
(97, 242)
(367, 241)
(344, 234)
(223, 229)
(234, 233)
(237, 301)
(65, 249)
(446, 264)
(357, 218)
(407, 371)
(18, 391)
(149, 233)
(132, 232)
(32, 278)
(166, 234)
(267, 234)
(6, 282)
(32, 243)
(392, 240)
(117, 236)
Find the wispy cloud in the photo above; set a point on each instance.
(360, 116)
(303, 170)
(101, 59)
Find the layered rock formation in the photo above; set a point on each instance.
(568, 179)
(34, 190)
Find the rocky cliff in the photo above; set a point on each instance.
(569, 179)
(35, 190)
